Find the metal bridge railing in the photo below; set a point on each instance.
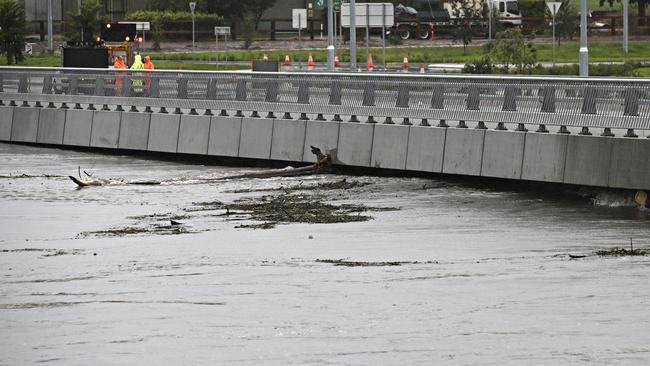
(609, 103)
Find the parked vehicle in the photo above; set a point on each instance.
(418, 18)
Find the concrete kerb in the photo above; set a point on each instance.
(106, 129)
(426, 149)
(588, 160)
(503, 154)
(256, 137)
(6, 121)
(355, 143)
(78, 127)
(163, 132)
(134, 130)
(25, 124)
(323, 135)
(288, 142)
(51, 124)
(544, 157)
(463, 151)
(390, 146)
(225, 133)
(630, 163)
(194, 134)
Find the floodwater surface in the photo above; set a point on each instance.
(443, 273)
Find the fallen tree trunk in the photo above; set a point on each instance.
(322, 165)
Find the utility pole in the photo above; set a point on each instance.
(584, 51)
(50, 32)
(330, 35)
(353, 35)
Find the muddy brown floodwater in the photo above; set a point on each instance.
(418, 271)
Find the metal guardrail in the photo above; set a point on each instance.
(612, 103)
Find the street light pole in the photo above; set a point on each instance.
(192, 7)
(330, 35)
(584, 51)
(50, 42)
(353, 35)
(625, 25)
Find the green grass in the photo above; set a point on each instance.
(567, 52)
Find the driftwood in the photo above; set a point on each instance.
(322, 165)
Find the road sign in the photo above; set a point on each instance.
(337, 5)
(221, 31)
(319, 4)
(373, 18)
(192, 6)
(299, 20)
(553, 7)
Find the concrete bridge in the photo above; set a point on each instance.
(585, 131)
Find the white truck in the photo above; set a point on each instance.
(417, 18)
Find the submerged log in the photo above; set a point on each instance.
(322, 165)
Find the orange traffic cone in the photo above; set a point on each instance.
(287, 60)
(266, 57)
(310, 61)
(337, 63)
(371, 65)
(405, 64)
(421, 68)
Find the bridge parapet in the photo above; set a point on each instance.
(608, 103)
(449, 124)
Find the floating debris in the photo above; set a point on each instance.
(348, 263)
(342, 184)
(134, 230)
(622, 252)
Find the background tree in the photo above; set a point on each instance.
(513, 49)
(12, 32)
(566, 21)
(466, 14)
(85, 24)
(641, 4)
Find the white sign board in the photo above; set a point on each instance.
(377, 15)
(299, 20)
(141, 26)
(553, 7)
(192, 6)
(221, 31)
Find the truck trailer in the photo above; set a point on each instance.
(419, 18)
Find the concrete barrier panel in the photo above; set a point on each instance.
(78, 126)
(355, 143)
(544, 157)
(288, 140)
(25, 125)
(630, 165)
(503, 154)
(106, 129)
(163, 132)
(323, 135)
(194, 134)
(6, 119)
(224, 136)
(50, 126)
(463, 151)
(389, 146)
(256, 136)
(134, 130)
(587, 160)
(426, 149)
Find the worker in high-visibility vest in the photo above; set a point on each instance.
(119, 64)
(137, 82)
(148, 65)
